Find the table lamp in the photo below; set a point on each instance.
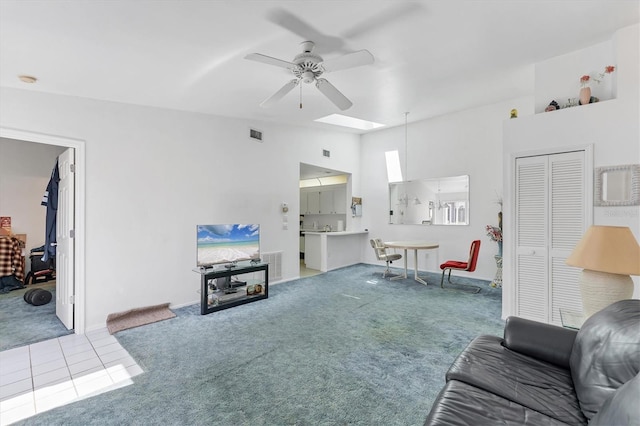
(607, 256)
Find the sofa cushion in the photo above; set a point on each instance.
(532, 383)
(542, 341)
(605, 354)
(461, 404)
(622, 407)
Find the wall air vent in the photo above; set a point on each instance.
(275, 264)
(255, 134)
(326, 153)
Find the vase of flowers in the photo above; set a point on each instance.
(585, 90)
(495, 234)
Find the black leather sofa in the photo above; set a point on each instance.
(540, 374)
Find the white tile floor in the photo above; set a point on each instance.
(56, 372)
(306, 272)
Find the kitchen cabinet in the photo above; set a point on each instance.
(324, 201)
(340, 200)
(333, 201)
(309, 202)
(303, 202)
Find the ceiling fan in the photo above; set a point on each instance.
(308, 67)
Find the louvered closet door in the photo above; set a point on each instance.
(568, 224)
(532, 213)
(551, 219)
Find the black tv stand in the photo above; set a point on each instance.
(219, 290)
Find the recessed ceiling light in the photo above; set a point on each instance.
(354, 123)
(27, 79)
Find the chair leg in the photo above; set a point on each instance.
(386, 271)
(468, 286)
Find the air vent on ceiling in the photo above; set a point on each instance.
(255, 134)
(326, 153)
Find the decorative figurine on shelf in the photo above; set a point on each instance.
(514, 113)
(552, 106)
(571, 102)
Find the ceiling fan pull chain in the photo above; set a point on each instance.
(301, 96)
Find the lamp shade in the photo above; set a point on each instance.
(611, 249)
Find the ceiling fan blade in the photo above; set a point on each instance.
(383, 18)
(285, 19)
(279, 94)
(333, 94)
(351, 60)
(269, 60)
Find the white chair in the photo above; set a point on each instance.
(381, 254)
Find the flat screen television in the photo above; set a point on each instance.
(227, 244)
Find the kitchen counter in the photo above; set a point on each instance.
(333, 233)
(324, 251)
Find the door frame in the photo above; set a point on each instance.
(79, 199)
(508, 271)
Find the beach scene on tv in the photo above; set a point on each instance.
(219, 244)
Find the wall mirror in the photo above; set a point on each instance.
(436, 201)
(617, 185)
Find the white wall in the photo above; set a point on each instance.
(153, 174)
(612, 127)
(25, 169)
(463, 143)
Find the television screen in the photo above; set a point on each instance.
(219, 244)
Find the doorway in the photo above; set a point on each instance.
(79, 208)
(337, 185)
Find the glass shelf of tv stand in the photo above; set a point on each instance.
(226, 287)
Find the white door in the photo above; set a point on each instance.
(551, 217)
(64, 236)
(532, 216)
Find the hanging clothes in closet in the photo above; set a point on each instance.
(11, 267)
(50, 200)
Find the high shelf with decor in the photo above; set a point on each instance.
(224, 288)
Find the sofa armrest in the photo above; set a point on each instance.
(542, 341)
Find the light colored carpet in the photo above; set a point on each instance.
(24, 324)
(342, 348)
(137, 317)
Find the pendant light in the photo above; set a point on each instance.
(406, 146)
(406, 197)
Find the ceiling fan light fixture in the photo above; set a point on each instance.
(308, 77)
(307, 46)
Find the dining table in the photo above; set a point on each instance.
(415, 246)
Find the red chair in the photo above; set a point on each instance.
(469, 265)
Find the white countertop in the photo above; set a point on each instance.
(334, 233)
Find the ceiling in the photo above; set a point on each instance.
(431, 57)
(309, 171)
